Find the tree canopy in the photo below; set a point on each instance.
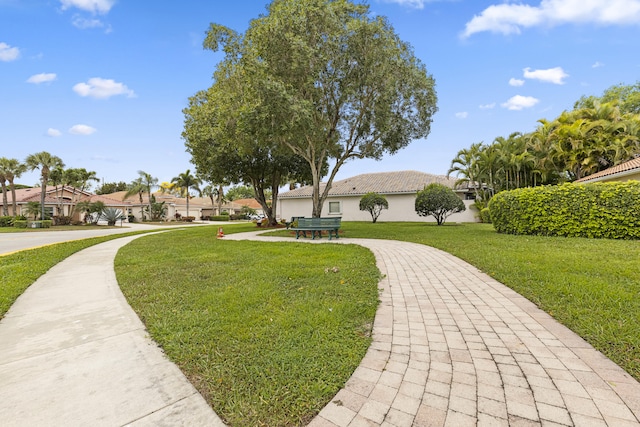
(600, 132)
(324, 79)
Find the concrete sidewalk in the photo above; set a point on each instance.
(73, 353)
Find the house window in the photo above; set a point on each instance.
(335, 208)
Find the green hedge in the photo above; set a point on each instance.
(6, 221)
(20, 223)
(598, 210)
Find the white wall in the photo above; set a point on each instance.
(401, 208)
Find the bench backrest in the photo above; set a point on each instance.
(321, 222)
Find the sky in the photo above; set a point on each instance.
(102, 83)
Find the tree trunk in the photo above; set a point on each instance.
(5, 201)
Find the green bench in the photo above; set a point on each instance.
(316, 226)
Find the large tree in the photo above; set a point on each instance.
(230, 137)
(332, 81)
(45, 162)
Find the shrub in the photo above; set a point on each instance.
(597, 210)
(20, 223)
(373, 203)
(220, 218)
(111, 215)
(438, 201)
(46, 223)
(485, 216)
(61, 220)
(6, 221)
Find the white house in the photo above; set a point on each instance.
(399, 188)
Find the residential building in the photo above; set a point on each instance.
(399, 188)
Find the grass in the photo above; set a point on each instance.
(250, 324)
(267, 332)
(19, 270)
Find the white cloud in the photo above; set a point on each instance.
(42, 78)
(519, 102)
(82, 130)
(53, 132)
(416, 4)
(487, 106)
(93, 6)
(83, 23)
(462, 115)
(8, 53)
(102, 88)
(510, 18)
(597, 64)
(551, 75)
(515, 82)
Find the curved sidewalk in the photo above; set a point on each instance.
(73, 353)
(454, 347)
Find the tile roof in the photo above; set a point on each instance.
(401, 182)
(631, 165)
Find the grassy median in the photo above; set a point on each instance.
(267, 332)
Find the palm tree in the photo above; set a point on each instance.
(186, 182)
(45, 162)
(12, 169)
(3, 183)
(465, 164)
(144, 183)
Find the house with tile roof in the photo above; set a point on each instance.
(59, 201)
(399, 188)
(199, 207)
(626, 171)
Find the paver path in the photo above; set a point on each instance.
(453, 347)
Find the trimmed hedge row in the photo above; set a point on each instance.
(598, 210)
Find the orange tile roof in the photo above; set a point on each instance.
(614, 170)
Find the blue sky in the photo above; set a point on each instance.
(102, 83)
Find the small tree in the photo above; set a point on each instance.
(33, 208)
(373, 203)
(439, 201)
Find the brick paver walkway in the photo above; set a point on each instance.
(453, 347)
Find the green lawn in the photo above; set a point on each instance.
(268, 332)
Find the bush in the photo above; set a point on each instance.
(61, 220)
(220, 218)
(20, 223)
(598, 210)
(373, 203)
(6, 221)
(47, 223)
(438, 201)
(485, 216)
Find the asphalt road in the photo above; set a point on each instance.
(12, 242)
